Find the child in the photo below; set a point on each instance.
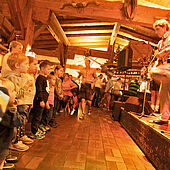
(29, 93)
(14, 47)
(40, 99)
(58, 72)
(18, 63)
(10, 120)
(48, 112)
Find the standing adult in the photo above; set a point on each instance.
(133, 88)
(162, 72)
(86, 91)
(98, 86)
(14, 47)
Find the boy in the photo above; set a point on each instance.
(18, 63)
(49, 109)
(10, 120)
(14, 47)
(29, 93)
(40, 99)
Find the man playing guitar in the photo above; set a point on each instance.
(162, 72)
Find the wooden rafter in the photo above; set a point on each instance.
(29, 30)
(39, 30)
(106, 10)
(51, 53)
(16, 16)
(57, 29)
(94, 53)
(53, 33)
(114, 33)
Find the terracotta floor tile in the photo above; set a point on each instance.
(129, 163)
(96, 143)
(121, 166)
(111, 165)
(73, 164)
(23, 161)
(34, 163)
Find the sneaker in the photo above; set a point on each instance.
(159, 121)
(89, 113)
(153, 107)
(81, 118)
(47, 128)
(8, 166)
(25, 139)
(41, 132)
(37, 136)
(42, 127)
(53, 124)
(19, 146)
(156, 108)
(72, 112)
(11, 159)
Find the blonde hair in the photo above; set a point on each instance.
(161, 23)
(32, 59)
(7, 83)
(16, 58)
(14, 44)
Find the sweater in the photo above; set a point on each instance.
(42, 89)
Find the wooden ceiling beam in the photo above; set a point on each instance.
(88, 38)
(114, 33)
(29, 36)
(45, 37)
(141, 30)
(57, 29)
(89, 32)
(4, 32)
(39, 30)
(41, 14)
(84, 23)
(50, 53)
(139, 38)
(16, 16)
(53, 34)
(94, 53)
(105, 27)
(105, 10)
(91, 44)
(45, 46)
(45, 42)
(87, 35)
(8, 25)
(137, 35)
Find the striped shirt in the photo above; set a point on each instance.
(133, 87)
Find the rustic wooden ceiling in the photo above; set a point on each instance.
(63, 28)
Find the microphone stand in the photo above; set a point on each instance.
(144, 98)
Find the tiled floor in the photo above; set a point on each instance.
(96, 143)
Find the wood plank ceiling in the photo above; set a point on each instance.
(62, 28)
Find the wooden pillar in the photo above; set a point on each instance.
(29, 36)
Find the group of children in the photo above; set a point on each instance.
(26, 94)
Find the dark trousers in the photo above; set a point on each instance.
(20, 130)
(56, 109)
(97, 97)
(47, 115)
(36, 116)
